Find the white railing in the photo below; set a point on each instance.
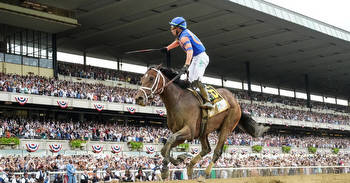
(181, 174)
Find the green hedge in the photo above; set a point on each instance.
(184, 146)
(135, 145)
(257, 148)
(9, 141)
(335, 150)
(312, 150)
(76, 143)
(286, 149)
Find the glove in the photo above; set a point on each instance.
(184, 69)
(164, 50)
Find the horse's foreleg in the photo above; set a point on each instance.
(179, 159)
(229, 124)
(181, 135)
(205, 150)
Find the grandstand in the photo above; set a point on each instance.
(54, 109)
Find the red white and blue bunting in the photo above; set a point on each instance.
(97, 148)
(62, 104)
(195, 150)
(99, 107)
(32, 147)
(132, 110)
(116, 149)
(149, 149)
(55, 147)
(160, 112)
(22, 100)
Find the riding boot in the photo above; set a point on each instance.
(205, 95)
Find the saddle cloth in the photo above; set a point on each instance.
(219, 103)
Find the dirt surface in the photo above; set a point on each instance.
(321, 178)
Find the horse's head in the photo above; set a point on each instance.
(152, 84)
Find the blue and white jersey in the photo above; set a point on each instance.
(187, 37)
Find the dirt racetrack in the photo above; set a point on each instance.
(320, 178)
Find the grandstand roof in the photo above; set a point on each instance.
(280, 45)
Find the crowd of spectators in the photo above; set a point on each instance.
(90, 72)
(38, 85)
(97, 92)
(33, 129)
(270, 98)
(292, 114)
(119, 167)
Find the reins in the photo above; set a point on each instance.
(167, 84)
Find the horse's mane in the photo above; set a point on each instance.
(172, 73)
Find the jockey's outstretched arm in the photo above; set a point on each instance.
(173, 45)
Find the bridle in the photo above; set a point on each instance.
(155, 89)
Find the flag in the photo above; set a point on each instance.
(97, 148)
(55, 147)
(22, 100)
(195, 150)
(160, 112)
(132, 110)
(32, 147)
(62, 104)
(116, 149)
(149, 149)
(98, 107)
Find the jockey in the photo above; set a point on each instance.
(196, 60)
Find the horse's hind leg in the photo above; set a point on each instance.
(229, 124)
(205, 150)
(181, 135)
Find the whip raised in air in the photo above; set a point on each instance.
(143, 51)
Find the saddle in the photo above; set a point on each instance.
(219, 104)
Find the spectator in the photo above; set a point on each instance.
(84, 177)
(71, 172)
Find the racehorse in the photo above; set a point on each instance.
(184, 117)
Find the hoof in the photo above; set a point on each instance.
(189, 172)
(207, 172)
(165, 174)
(201, 179)
(208, 169)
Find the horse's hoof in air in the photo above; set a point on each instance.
(165, 174)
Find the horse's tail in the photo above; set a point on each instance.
(250, 126)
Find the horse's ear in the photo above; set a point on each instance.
(158, 66)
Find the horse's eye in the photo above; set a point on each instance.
(151, 78)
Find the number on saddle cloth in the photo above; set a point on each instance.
(213, 94)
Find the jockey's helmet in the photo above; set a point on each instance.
(179, 22)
